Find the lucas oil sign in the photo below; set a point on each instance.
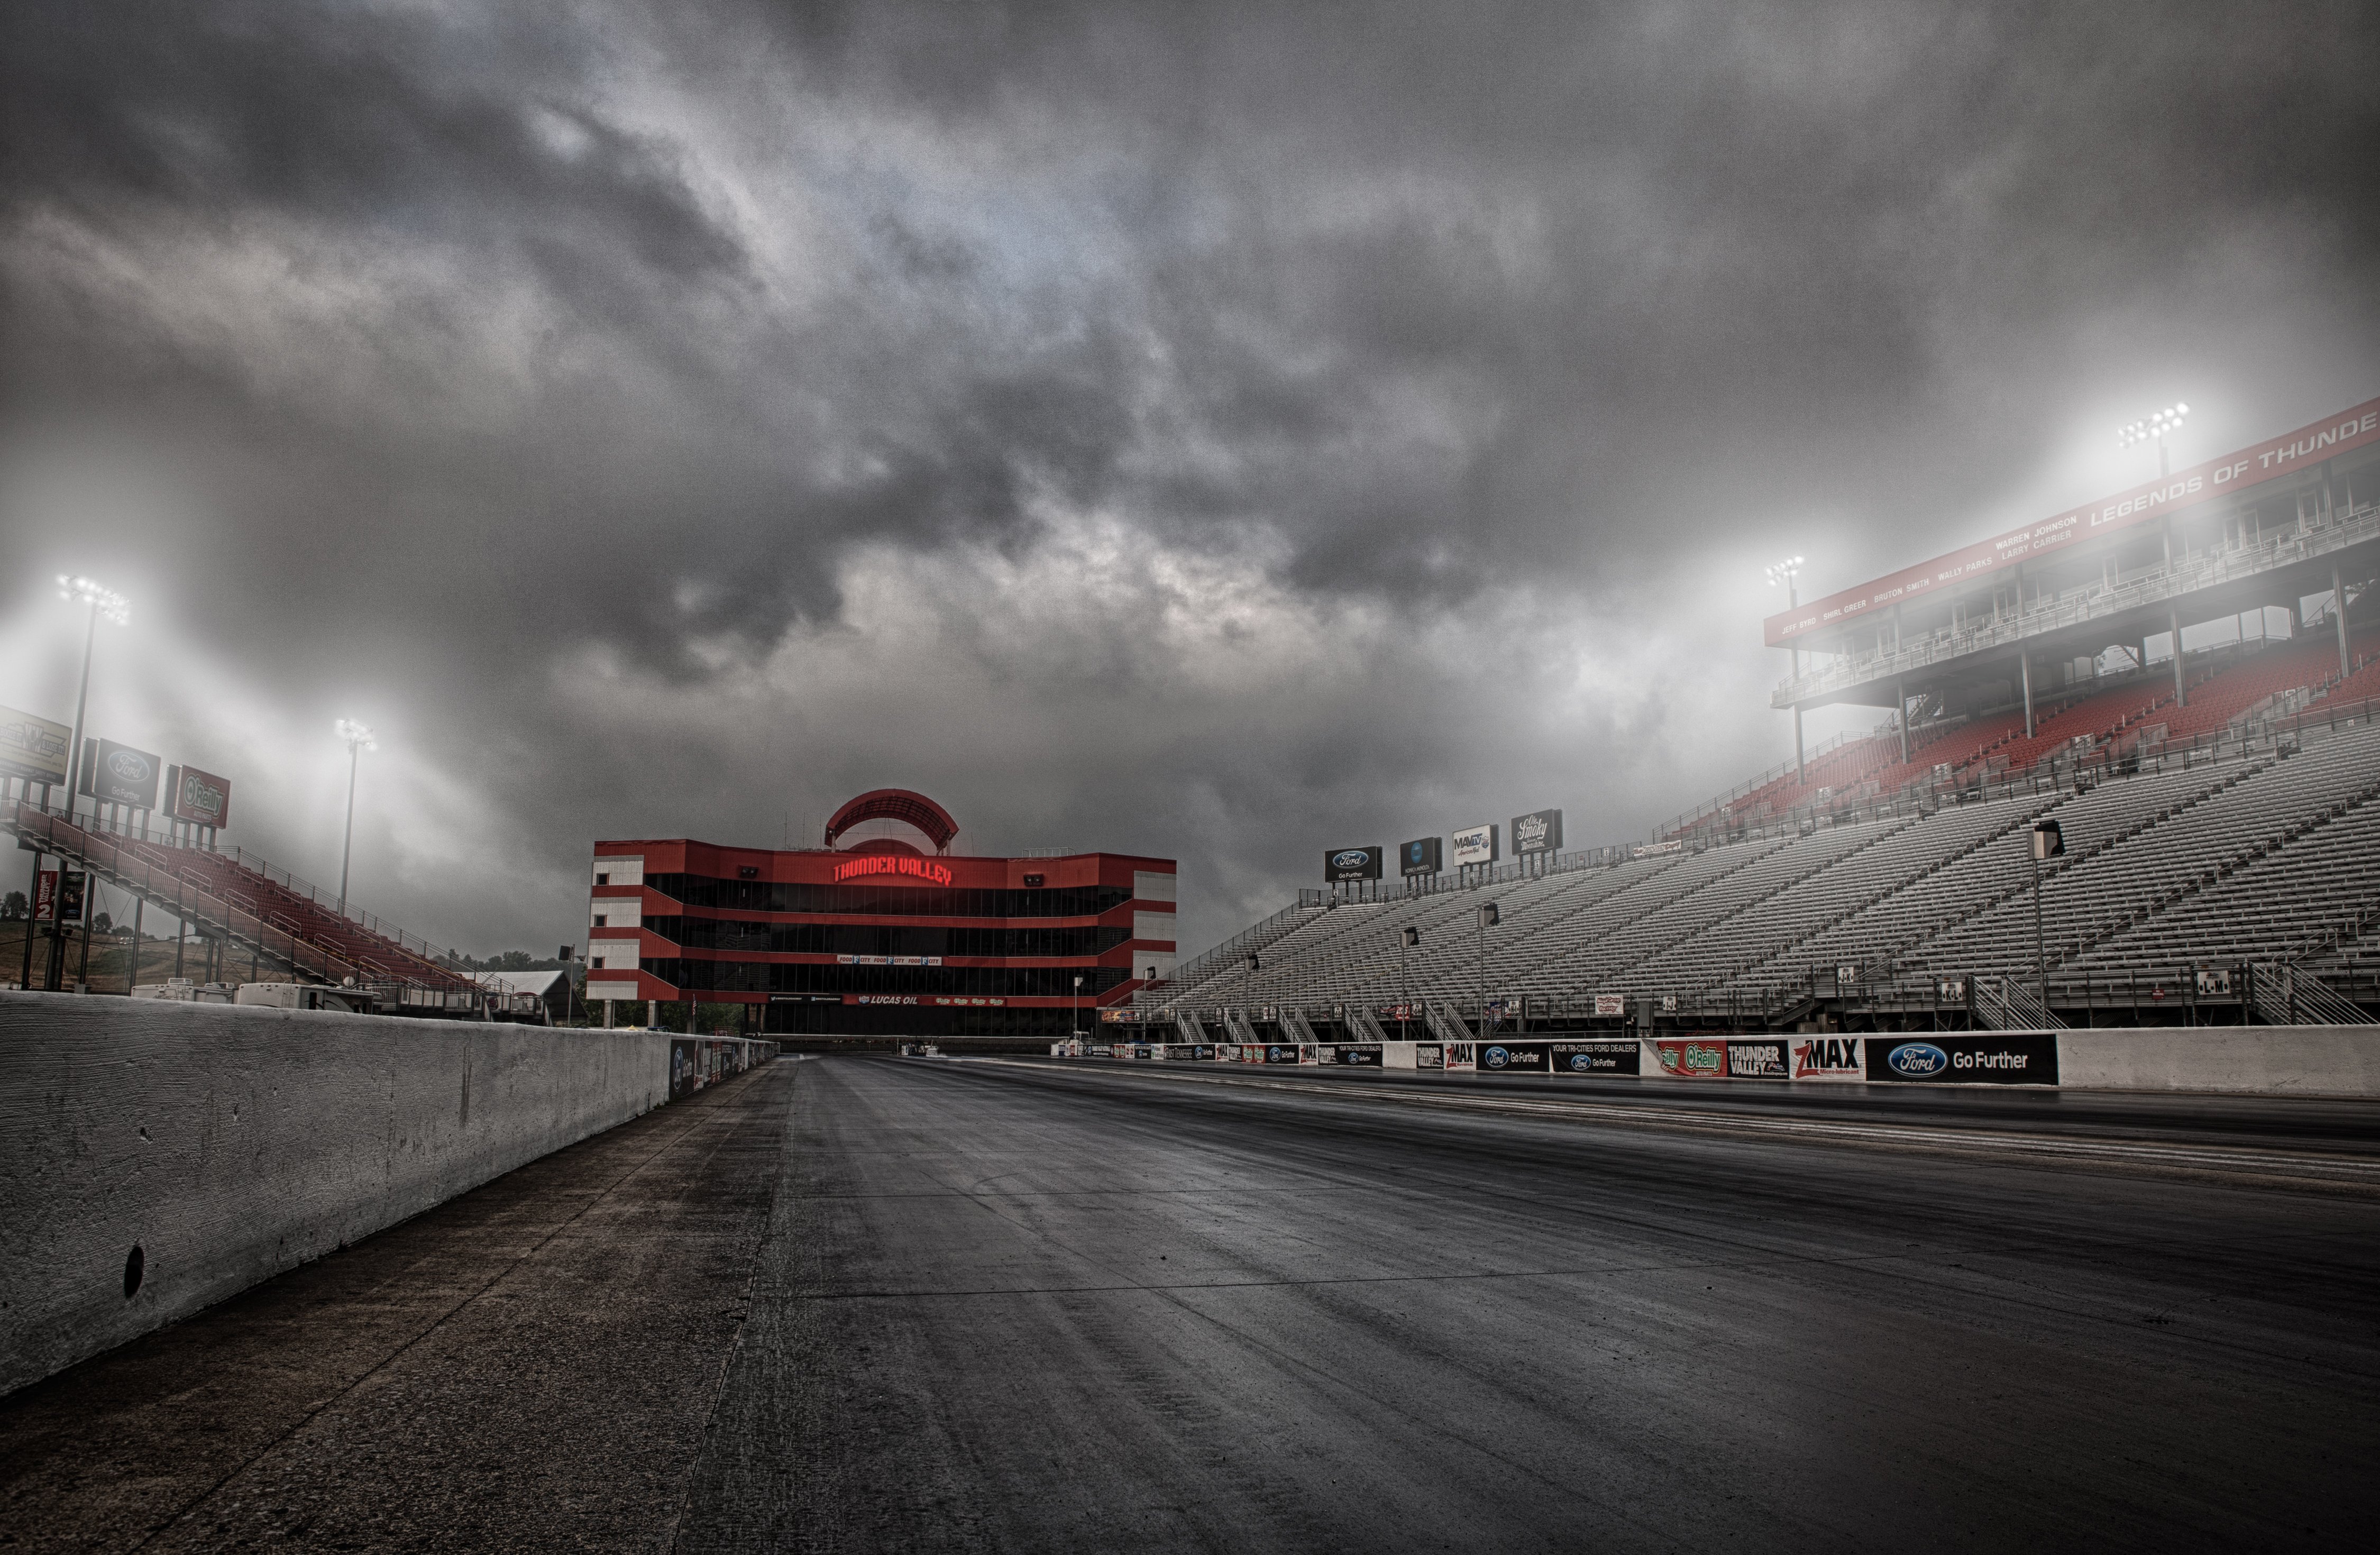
(2000, 1058)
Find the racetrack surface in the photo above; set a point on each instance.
(1027, 1305)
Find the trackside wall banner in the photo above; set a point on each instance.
(1694, 1060)
(1365, 1054)
(1999, 1058)
(1510, 1058)
(1613, 1056)
(1828, 1058)
(1762, 1059)
(2305, 448)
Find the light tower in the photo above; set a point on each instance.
(360, 739)
(1788, 573)
(101, 601)
(2152, 428)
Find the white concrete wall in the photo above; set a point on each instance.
(2258, 1060)
(230, 1143)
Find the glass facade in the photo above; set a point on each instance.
(888, 900)
(829, 977)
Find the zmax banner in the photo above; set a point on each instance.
(1999, 1058)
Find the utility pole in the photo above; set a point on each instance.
(2048, 841)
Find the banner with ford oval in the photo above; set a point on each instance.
(1344, 863)
(1999, 1058)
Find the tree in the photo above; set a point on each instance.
(102, 924)
(13, 905)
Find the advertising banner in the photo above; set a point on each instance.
(1514, 1058)
(1478, 845)
(1422, 856)
(198, 796)
(1693, 1059)
(1461, 1056)
(74, 896)
(1994, 1058)
(1828, 1058)
(1760, 1059)
(1280, 1052)
(33, 748)
(118, 774)
(1340, 865)
(1610, 1003)
(1429, 1055)
(2302, 449)
(45, 896)
(1537, 832)
(697, 1061)
(1363, 1055)
(1609, 1056)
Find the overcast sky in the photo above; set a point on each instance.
(1204, 431)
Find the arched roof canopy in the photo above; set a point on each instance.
(896, 804)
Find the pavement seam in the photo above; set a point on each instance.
(201, 1499)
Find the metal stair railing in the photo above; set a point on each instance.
(2288, 995)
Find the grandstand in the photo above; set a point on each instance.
(255, 919)
(2217, 805)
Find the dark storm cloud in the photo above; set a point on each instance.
(688, 413)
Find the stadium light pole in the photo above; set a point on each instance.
(2153, 427)
(360, 739)
(100, 602)
(1409, 939)
(1789, 571)
(2048, 841)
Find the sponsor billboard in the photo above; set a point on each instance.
(1514, 1058)
(1999, 1058)
(1344, 864)
(697, 1061)
(1610, 1003)
(198, 796)
(1537, 832)
(1422, 856)
(45, 895)
(1692, 1059)
(2303, 449)
(1761, 1059)
(33, 748)
(58, 897)
(1362, 1054)
(1828, 1058)
(118, 774)
(1482, 843)
(1610, 1056)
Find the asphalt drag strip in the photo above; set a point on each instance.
(1021, 1306)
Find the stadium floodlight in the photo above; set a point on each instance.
(2152, 428)
(1786, 572)
(358, 738)
(101, 601)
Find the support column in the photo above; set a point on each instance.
(1901, 689)
(2024, 673)
(2181, 687)
(1800, 766)
(2339, 610)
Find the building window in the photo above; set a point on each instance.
(603, 879)
(599, 961)
(601, 919)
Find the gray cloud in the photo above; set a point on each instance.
(1211, 429)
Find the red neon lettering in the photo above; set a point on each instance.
(893, 864)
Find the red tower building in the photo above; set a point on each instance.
(880, 935)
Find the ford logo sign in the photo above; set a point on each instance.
(1494, 1058)
(129, 767)
(1579, 1061)
(1351, 858)
(1917, 1061)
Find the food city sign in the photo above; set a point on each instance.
(2292, 451)
(893, 864)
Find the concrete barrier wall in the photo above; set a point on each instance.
(2256, 1060)
(231, 1143)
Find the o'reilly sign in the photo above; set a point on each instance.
(1344, 863)
(1537, 832)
